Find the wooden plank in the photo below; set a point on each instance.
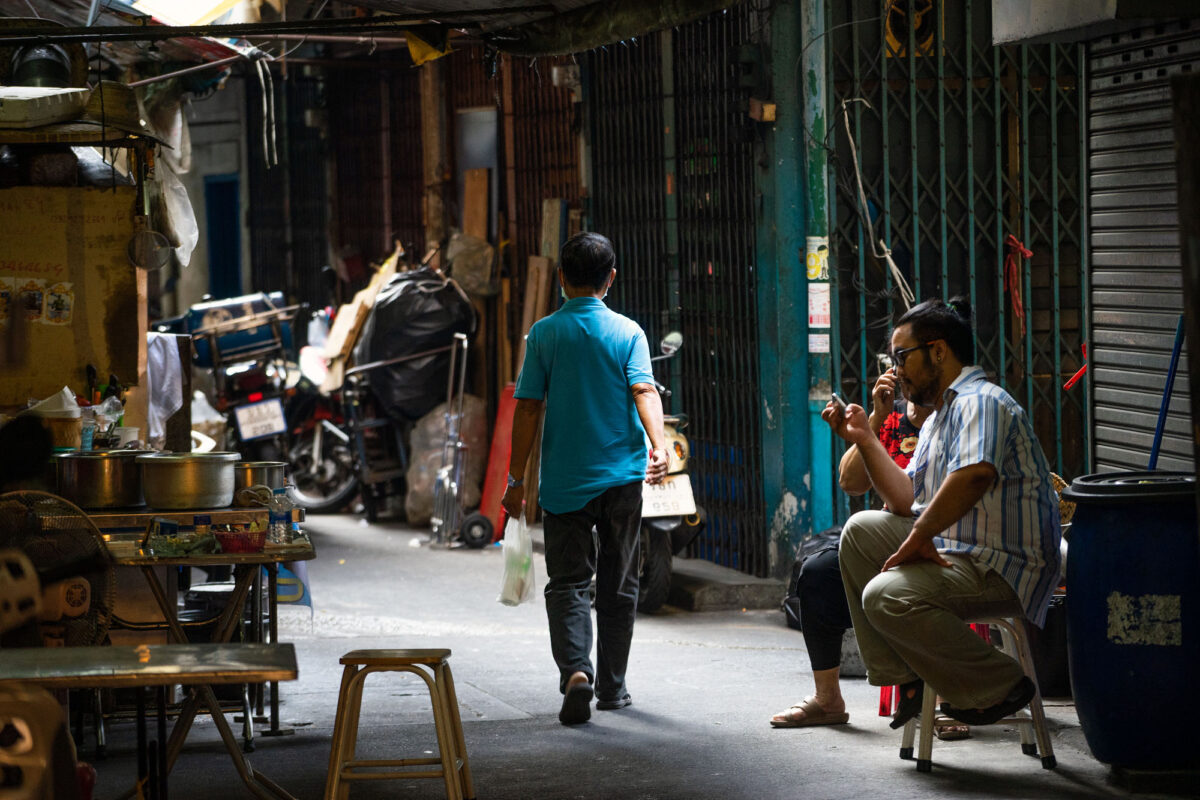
(434, 155)
(475, 203)
(349, 322)
(554, 227)
(503, 340)
(534, 280)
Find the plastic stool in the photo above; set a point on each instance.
(451, 757)
(889, 697)
(1032, 725)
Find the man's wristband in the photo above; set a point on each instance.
(515, 482)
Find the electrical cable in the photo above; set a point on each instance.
(878, 248)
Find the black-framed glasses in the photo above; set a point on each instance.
(901, 355)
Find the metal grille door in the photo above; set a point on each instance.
(1137, 293)
(673, 186)
(960, 145)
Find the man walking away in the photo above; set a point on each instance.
(588, 368)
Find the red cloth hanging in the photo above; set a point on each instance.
(1012, 276)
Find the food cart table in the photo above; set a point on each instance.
(197, 665)
(126, 551)
(123, 530)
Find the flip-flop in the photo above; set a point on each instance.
(1018, 697)
(577, 704)
(952, 732)
(908, 707)
(813, 715)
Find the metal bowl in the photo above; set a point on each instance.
(100, 478)
(188, 480)
(257, 473)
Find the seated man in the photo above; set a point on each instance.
(972, 529)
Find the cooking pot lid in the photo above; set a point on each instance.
(189, 458)
(1131, 487)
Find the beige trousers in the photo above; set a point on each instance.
(909, 620)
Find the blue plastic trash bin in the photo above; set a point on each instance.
(1133, 620)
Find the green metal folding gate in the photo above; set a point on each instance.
(672, 169)
(961, 144)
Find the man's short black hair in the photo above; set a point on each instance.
(949, 320)
(586, 260)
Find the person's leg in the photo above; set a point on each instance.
(570, 564)
(825, 618)
(918, 610)
(618, 525)
(868, 539)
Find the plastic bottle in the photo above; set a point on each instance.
(279, 530)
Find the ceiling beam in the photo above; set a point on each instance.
(355, 25)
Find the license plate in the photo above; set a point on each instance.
(671, 498)
(260, 419)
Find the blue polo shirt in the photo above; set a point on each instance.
(582, 360)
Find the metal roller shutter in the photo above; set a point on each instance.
(1136, 284)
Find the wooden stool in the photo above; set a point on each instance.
(1031, 725)
(431, 666)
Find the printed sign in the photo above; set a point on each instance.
(818, 343)
(818, 305)
(260, 419)
(817, 257)
(60, 304)
(671, 498)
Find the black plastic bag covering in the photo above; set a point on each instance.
(415, 311)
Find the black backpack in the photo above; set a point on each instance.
(825, 540)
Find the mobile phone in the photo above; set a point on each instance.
(839, 402)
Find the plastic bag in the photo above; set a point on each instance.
(517, 587)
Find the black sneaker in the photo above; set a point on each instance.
(577, 704)
(613, 705)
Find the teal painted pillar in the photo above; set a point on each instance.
(787, 431)
(816, 223)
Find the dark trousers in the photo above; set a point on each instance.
(824, 614)
(573, 556)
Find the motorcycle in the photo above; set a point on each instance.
(273, 408)
(671, 520)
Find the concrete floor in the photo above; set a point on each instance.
(704, 685)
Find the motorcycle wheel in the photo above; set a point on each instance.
(327, 485)
(477, 531)
(655, 575)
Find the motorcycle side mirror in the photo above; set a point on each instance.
(671, 343)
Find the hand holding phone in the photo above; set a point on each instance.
(839, 402)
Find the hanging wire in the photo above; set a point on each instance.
(878, 248)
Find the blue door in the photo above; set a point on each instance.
(222, 213)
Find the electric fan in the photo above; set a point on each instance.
(71, 560)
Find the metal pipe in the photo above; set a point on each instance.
(186, 70)
(147, 32)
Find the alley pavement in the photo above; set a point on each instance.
(704, 685)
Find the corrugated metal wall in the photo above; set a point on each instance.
(673, 186)
(1137, 292)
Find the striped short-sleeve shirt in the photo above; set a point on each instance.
(1014, 528)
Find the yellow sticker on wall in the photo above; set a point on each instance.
(30, 298)
(60, 304)
(6, 295)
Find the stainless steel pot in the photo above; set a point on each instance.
(256, 473)
(188, 480)
(100, 478)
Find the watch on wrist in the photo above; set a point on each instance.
(515, 482)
